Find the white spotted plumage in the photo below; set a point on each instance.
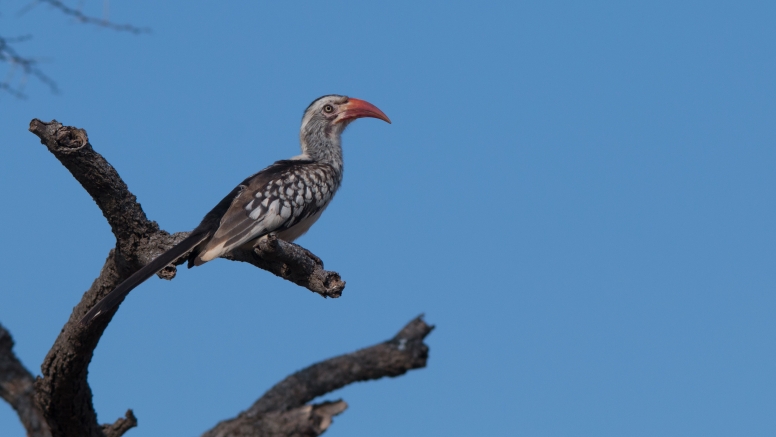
(299, 193)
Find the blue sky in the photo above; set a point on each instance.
(580, 195)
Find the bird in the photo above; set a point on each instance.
(285, 198)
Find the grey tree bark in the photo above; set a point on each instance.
(59, 402)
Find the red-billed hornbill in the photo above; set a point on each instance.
(285, 198)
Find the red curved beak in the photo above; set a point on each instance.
(356, 108)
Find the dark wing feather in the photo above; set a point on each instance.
(230, 223)
(266, 204)
(117, 295)
(206, 228)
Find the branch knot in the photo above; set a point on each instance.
(71, 140)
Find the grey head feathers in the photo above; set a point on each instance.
(320, 132)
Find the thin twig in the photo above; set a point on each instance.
(86, 19)
(28, 65)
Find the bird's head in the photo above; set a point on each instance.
(326, 118)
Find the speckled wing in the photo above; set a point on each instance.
(286, 194)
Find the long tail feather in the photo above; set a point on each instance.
(117, 295)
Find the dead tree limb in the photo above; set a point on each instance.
(292, 262)
(16, 387)
(282, 410)
(139, 240)
(63, 395)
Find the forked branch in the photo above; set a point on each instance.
(62, 395)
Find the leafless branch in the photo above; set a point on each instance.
(27, 65)
(282, 410)
(62, 395)
(71, 147)
(139, 240)
(121, 425)
(294, 263)
(16, 387)
(86, 19)
(66, 398)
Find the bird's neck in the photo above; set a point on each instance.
(326, 149)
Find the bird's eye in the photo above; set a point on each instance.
(328, 109)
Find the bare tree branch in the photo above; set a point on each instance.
(71, 147)
(294, 263)
(86, 19)
(16, 387)
(394, 357)
(121, 426)
(28, 66)
(139, 240)
(305, 421)
(63, 393)
(282, 410)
